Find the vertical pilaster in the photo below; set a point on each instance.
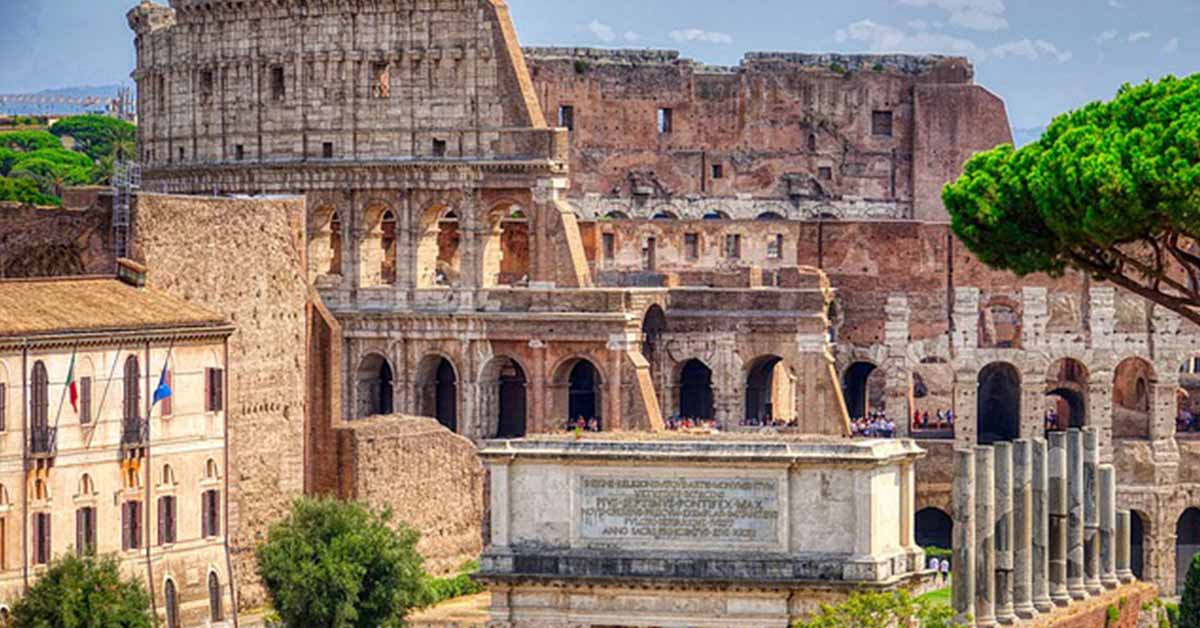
(1108, 525)
(1059, 504)
(1075, 516)
(1004, 549)
(1040, 526)
(963, 565)
(985, 537)
(1091, 511)
(1124, 521)
(1022, 528)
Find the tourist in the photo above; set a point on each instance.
(890, 427)
(945, 570)
(925, 419)
(941, 419)
(935, 566)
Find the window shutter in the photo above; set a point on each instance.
(80, 548)
(208, 390)
(162, 520)
(215, 512)
(45, 553)
(206, 517)
(166, 403)
(3, 405)
(219, 386)
(125, 526)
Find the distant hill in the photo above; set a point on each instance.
(59, 108)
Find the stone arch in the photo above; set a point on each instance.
(438, 258)
(1132, 398)
(654, 325)
(770, 390)
(325, 242)
(615, 215)
(437, 390)
(578, 387)
(1187, 544)
(1067, 392)
(1000, 324)
(934, 528)
(377, 246)
(695, 390)
(374, 386)
(862, 387)
(504, 390)
(716, 214)
(1139, 528)
(769, 215)
(998, 403)
(505, 259)
(665, 214)
(932, 390)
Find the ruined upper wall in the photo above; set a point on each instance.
(320, 80)
(834, 134)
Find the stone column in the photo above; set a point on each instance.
(963, 593)
(1059, 504)
(985, 537)
(1040, 527)
(1022, 529)
(1075, 493)
(1004, 524)
(1108, 525)
(1124, 573)
(1091, 511)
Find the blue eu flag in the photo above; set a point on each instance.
(164, 389)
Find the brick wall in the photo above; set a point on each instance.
(52, 242)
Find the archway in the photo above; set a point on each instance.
(769, 390)
(855, 389)
(654, 324)
(506, 248)
(377, 248)
(437, 381)
(583, 391)
(998, 404)
(1066, 394)
(438, 261)
(504, 402)
(374, 384)
(695, 390)
(665, 215)
(932, 394)
(1133, 388)
(1187, 544)
(769, 216)
(325, 243)
(1137, 544)
(934, 528)
(615, 215)
(716, 214)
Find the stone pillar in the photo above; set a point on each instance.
(985, 537)
(1022, 529)
(1075, 533)
(1124, 573)
(1040, 527)
(1108, 525)
(963, 593)
(1059, 504)
(1004, 524)
(1091, 511)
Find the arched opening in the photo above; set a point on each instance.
(998, 404)
(387, 240)
(1187, 545)
(695, 390)
(1137, 544)
(1133, 385)
(377, 249)
(335, 244)
(855, 389)
(769, 216)
(437, 380)
(215, 611)
(932, 397)
(1187, 399)
(438, 260)
(665, 215)
(654, 324)
(716, 215)
(506, 248)
(1066, 395)
(171, 609)
(504, 389)
(583, 387)
(769, 391)
(934, 528)
(1000, 325)
(325, 243)
(375, 386)
(615, 215)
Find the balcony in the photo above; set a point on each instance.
(43, 441)
(135, 432)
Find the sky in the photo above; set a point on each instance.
(1042, 57)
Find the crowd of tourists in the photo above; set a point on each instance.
(875, 424)
(940, 420)
(940, 567)
(582, 424)
(677, 423)
(766, 422)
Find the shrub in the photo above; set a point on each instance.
(1189, 601)
(882, 610)
(82, 593)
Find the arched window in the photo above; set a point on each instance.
(211, 470)
(770, 392)
(335, 244)
(85, 486)
(855, 389)
(695, 391)
(583, 395)
(375, 386)
(172, 604)
(39, 399)
(40, 491)
(769, 216)
(168, 475)
(387, 240)
(215, 612)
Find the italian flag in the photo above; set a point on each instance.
(71, 385)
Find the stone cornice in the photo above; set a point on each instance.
(728, 449)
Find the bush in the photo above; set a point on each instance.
(82, 593)
(26, 141)
(882, 610)
(442, 589)
(338, 565)
(98, 136)
(26, 192)
(1189, 601)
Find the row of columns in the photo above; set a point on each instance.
(1036, 527)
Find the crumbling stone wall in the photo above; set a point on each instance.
(430, 478)
(53, 242)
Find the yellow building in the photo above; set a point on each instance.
(115, 470)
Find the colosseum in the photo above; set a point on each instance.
(511, 240)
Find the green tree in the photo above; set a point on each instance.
(1112, 189)
(337, 565)
(99, 136)
(25, 141)
(1189, 602)
(25, 191)
(50, 176)
(83, 592)
(882, 610)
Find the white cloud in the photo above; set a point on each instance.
(631, 36)
(882, 38)
(1032, 49)
(980, 15)
(1116, 4)
(1172, 46)
(601, 31)
(702, 36)
(1138, 36)
(1106, 37)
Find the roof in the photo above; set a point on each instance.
(81, 305)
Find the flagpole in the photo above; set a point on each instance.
(104, 395)
(66, 383)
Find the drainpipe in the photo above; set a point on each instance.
(149, 507)
(225, 498)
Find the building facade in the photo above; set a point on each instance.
(107, 469)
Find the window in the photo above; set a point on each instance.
(215, 613)
(214, 390)
(181, 154)
(39, 397)
(39, 490)
(812, 142)
(167, 407)
(86, 487)
(3, 544)
(166, 520)
(210, 470)
(85, 400)
(206, 85)
(825, 173)
(666, 120)
(775, 247)
(210, 513)
(3, 406)
(381, 81)
(649, 253)
(278, 85)
(335, 244)
(881, 123)
(131, 525)
(733, 246)
(239, 152)
(168, 475)
(41, 538)
(609, 244)
(439, 148)
(566, 117)
(133, 398)
(691, 246)
(161, 93)
(718, 171)
(172, 604)
(85, 530)
(327, 150)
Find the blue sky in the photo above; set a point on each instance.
(1042, 57)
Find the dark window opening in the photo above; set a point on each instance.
(278, 85)
(215, 612)
(214, 392)
(239, 152)
(210, 513)
(172, 603)
(825, 173)
(41, 538)
(718, 171)
(666, 120)
(733, 246)
(775, 247)
(691, 246)
(881, 123)
(609, 245)
(181, 154)
(566, 117)
(649, 254)
(327, 150)
(3, 406)
(206, 85)
(439, 148)
(131, 525)
(85, 530)
(166, 520)
(812, 142)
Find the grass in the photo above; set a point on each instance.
(941, 597)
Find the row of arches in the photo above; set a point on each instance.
(667, 214)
